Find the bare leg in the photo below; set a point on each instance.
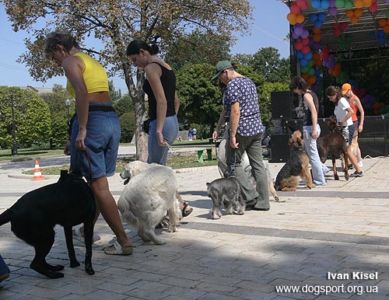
(109, 209)
(353, 159)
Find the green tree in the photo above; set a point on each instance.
(116, 23)
(265, 97)
(31, 118)
(197, 47)
(61, 107)
(115, 94)
(127, 124)
(123, 105)
(267, 62)
(243, 59)
(200, 97)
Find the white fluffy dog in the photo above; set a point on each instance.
(149, 194)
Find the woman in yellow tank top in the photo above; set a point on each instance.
(96, 129)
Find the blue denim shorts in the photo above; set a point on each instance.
(102, 142)
(157, 153)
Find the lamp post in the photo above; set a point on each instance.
(67, 104)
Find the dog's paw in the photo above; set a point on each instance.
(74, 264)
(89, 270)
(172, 229)
(55, 268)
(159, 242)
(42, 269)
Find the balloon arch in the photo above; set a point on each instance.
(321, 29)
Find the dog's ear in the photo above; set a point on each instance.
(208, 183)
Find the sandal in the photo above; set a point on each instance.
(186, 210)
(117, 249)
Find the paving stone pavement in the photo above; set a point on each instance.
(337, 229)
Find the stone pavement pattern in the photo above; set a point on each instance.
(340, 228)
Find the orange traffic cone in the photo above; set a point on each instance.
(37, 172)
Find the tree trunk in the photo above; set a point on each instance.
(140, 137)
(138, 101)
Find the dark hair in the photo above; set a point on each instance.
(64, 39)
(136, 45)
(298, 83)
(332, 91)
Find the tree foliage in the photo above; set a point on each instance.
(268, 63)
(115, 23)
(123, 105)
(31, 118)
(265, 97)
(127, 125)
(200, 97)
(61, 109)
(197, 48)
(113, 92)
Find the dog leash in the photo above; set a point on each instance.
(79, 160)
(89, 163)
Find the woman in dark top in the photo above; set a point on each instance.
(311, 128)
(160, 87)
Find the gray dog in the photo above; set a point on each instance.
(225, 192)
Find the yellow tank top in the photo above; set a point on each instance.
(94, 75)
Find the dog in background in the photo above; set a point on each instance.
(297, 166)
(225, 192)
(68, 202)
(149, 194)
(333, 144)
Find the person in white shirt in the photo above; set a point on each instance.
(343, 113)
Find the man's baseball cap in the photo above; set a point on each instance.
(220, 67)
(345, 88)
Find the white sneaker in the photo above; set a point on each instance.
(78, 234)
(360, 164)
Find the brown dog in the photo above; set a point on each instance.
(297, 166)
(333, 144)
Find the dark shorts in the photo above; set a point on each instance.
(351, 129)
(102, 142)
(356, 125)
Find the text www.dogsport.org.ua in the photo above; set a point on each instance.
(326, 289)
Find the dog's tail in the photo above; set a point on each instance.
(5, 217)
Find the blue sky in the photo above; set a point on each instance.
(268, 29)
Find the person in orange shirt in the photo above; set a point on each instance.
(356, 106)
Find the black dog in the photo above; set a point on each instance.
(225, 192)
(68, 202)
